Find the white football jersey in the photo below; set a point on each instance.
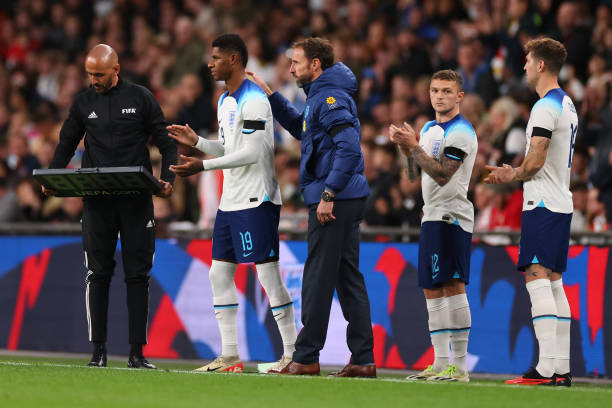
(247, 186)
(449, 203)
(549, 187)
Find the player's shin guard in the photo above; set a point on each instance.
(225, 299)
(460, 323)
(544, 313)
(280, 302)
(438, 330)
(562, 354)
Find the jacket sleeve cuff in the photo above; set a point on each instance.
(331, 190)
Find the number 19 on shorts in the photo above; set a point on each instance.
(247, 242)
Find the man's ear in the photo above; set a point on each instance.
(460, 95)
(316, 63)
(541, 66)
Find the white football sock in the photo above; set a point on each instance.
(225, 299)
(564, 319)
(460, 323)
(438, 330)
(271, 279)
(544, 314)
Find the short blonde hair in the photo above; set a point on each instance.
(449, 75)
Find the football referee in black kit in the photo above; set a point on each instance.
(117, 118)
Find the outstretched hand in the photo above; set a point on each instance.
(190, 165)
(183, 134)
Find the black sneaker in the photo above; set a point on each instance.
(563, 380)
(98, 359)
(532, 377)
(140, 362)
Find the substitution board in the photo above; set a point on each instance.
(98, 181)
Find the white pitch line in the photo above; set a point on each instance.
(302, 377)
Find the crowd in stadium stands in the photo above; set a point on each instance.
(393, 46)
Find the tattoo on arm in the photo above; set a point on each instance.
(535, 159)
(441, 171)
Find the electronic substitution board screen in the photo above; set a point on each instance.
(98, 181)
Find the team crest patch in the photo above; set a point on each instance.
(436, 148)
(331, 102)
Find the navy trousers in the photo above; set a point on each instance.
(333, 264)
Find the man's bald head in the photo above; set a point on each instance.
(102, 66)
(103, 54)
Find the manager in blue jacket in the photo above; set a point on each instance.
(335, 190)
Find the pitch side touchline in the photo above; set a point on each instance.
(390, 380)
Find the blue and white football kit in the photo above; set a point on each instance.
(547, 200)
(448, 216)
(246, 227)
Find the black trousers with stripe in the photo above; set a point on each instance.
(333, 265)
(104, 220)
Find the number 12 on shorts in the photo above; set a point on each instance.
(247, 242)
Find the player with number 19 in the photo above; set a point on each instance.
(246, 226)
(547, 210)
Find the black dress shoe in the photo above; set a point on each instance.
(98, 359)
(140, 362)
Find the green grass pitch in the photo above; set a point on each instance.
(54, 382)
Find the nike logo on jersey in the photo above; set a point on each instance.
(276, 315)
(92, 115)
(128, 110)
(245, 254)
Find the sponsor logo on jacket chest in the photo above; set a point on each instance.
(128, 110)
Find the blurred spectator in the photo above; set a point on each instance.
(20, 161)
(9, 206)
(505, 129)
(483, 206)
(29, 199)
(164, 215)
(197, 107)
(71, 210)
(580, 194)
(476, 73)
(573, 32)
(188, 51)
(381, 207)
(596, 213)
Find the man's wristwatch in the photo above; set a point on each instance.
(327, 196)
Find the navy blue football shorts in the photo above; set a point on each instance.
(245, 236)
(544, 239)
(444, 254)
